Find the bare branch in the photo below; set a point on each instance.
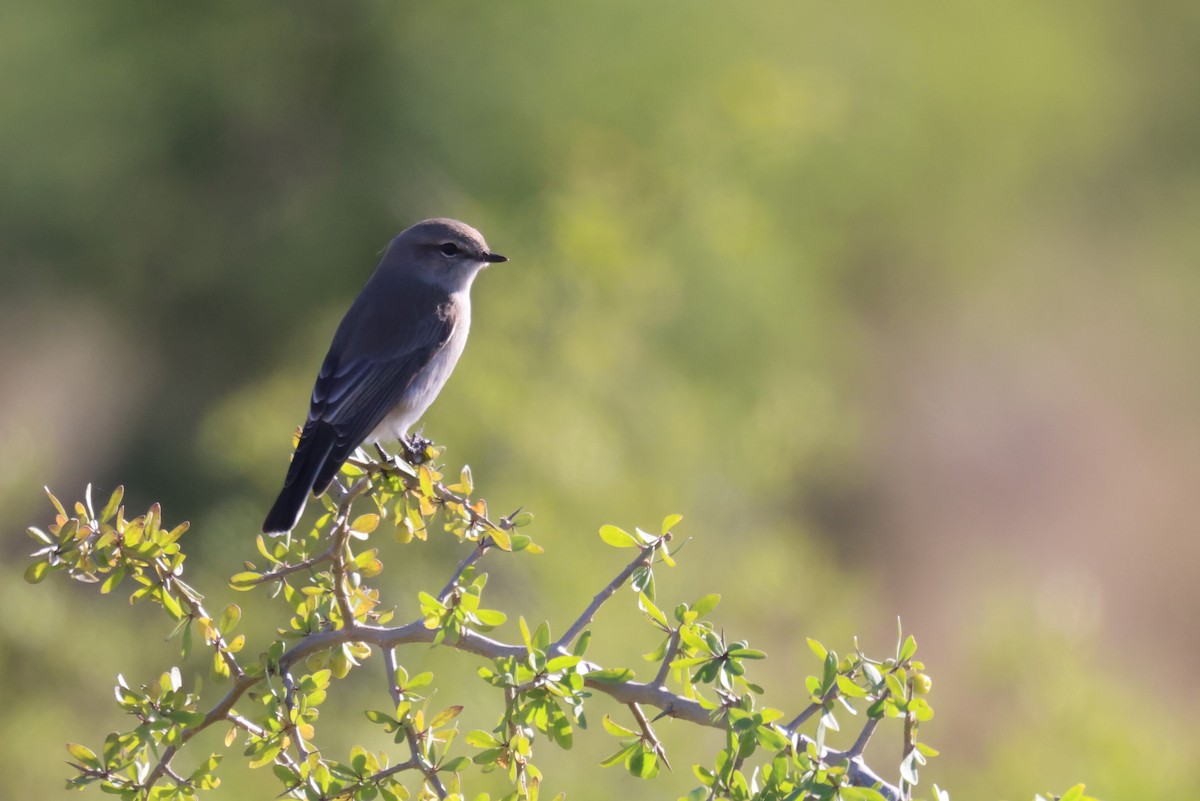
(431, 776)
(864, 737)
(341, 538)
(648, 734)
(664, 670)
(643, 558)
(287, 570)
(474, 556)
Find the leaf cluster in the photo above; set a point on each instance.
(335, 620)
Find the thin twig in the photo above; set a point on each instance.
(417, 760)
(474, 556)
(287, 570)
(283, 757)
(664, 670)
(811, 709)
(389, 664)
(648, 734)
(864, 737)
(910, 744)
(289, 698)
(241, 683)
(340, 546)
(422, 763)
(643, 558)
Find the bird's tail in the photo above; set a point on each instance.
(316, 441)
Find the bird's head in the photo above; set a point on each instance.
(442, 250)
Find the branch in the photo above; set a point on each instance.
(664, 670)
(648, 734)
(474, 556)
(636, 695)
(221, 711)
(287, 570)
(645, 555)
(339, 547)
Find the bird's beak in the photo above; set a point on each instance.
(494, 258)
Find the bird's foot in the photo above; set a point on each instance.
(416, 449)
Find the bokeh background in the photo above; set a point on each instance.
(897, 304)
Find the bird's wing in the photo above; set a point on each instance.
(354, 392)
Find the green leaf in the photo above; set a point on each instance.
(706, 604)
(770, 738)
(171, 605)
(652, 611)
(244, 581)
(642, 580)
(747, 653)
(481, 739)
(818, 649)
(848, 688)
(617, 537)
(611, 675)
(365, 524)
(417, 681)
(57, 505)
(263, 753)
(908, 649)
(456, 764)
(502, 539)
(562, 663)
(670, 521)
(928, 750)
(490, 617)
(1074, 794)
(619, 756)
(445, 716)
(644, 765)
(616, 729)
(425, 478)
(37, 571)
(488, 757)
(85, 755)
(114, 501)
(230, 618)
(541, 638)
(39, 535)
(285, 774)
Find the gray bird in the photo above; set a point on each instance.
(392, 352)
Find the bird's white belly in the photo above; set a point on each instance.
(423, 390)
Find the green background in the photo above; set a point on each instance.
(896, 303)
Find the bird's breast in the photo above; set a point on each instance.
(428, 382)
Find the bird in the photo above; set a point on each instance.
(390, 356)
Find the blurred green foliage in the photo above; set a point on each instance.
(756, 252)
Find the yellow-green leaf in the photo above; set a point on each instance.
(365, 524)
(37, 571)
(617, 537)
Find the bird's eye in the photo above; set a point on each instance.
(449, 249)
